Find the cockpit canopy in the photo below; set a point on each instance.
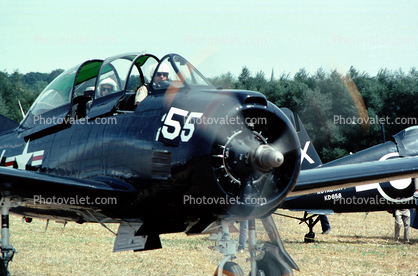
(105, 82)
(406, 141)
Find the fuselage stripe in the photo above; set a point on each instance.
(36, 158)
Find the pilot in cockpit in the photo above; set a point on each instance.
(107, 86)
(161, 75)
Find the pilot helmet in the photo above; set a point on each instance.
(163, 68)
(104, 86)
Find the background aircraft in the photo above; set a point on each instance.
(384, 196)
(181, 156)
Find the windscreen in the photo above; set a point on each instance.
(175, 71)
(56, 94)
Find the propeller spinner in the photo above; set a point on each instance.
(257, 160)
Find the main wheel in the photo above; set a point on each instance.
(231, 269)
(3, 270)
(268, 266)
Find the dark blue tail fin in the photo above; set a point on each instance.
(310, 158)
(7, 124)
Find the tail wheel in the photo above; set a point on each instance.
(310, 237)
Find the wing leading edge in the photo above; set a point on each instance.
(346, 176)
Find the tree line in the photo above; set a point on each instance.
(342, 113)
(23, 88)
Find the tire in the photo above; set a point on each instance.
(310, 237)
(268, 266)
(3, 270)
(231, 269)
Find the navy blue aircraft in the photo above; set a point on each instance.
(151, 145)
(384, 196)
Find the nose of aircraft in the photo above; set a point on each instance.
(258, 161)
(267, 157)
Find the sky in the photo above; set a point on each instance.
(216, 36)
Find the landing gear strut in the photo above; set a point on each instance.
(7, 251)
(310, 237)
(310, 221)
(226, 246)
(269, 259)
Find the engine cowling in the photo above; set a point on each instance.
(256, 161)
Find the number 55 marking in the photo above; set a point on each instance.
(172, 127)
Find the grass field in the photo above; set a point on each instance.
(355, 246)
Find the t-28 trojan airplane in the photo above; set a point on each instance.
(151, 145)
(384, 196)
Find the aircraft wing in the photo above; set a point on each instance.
(30, 185)
(346, 176)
